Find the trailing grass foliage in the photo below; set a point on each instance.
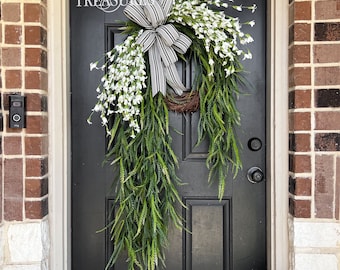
(146, 192)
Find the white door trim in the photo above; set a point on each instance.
(59, 131)
(277, 189)
(59, 134)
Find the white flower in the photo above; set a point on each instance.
(220, 34)
(120, 91)
(121, 87)
(98, 108)
(247, 56)
(104, 121)
(253, 8)
(93, 66)
(238, 8)
(251, 23)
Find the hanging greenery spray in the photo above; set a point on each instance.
(134, 97)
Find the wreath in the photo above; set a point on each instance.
(140, 85)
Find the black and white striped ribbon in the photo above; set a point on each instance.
(160, 40)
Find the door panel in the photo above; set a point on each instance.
(226, 234)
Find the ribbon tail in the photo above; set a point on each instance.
(158, 81)
(174, 80)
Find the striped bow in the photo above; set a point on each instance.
(160, 40)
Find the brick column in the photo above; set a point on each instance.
(24, 152)
(300, 83)
(314, 60)
(24, 71)
(314, 132)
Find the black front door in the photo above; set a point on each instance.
(226, 234)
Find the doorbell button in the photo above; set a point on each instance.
(16, 117)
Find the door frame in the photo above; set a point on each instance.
(60, 139)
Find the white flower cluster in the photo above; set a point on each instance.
(221, 34)
(121, 87)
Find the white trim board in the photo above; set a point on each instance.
(59, 131)
(59, 134)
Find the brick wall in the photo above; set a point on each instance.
(24, 230)
(314, 133)
(24, 152)
(314, 118)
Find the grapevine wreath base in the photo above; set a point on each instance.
(187, 102)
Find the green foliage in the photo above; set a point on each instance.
(146, 186)
(219, 115)
(146, 191)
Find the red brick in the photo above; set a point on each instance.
(300, 76)
(10, 12)
(337, 190)
(1, 195)
(37, 124)
(32, 12)
(324, 186)
(13, 178)
(13, 209)
(36, 167)
(302, 11)
(326, 98)
(13, 34)
(299, 142)
(5, 100)
(299, 121)
(327, 120)
(12, 145)
(300, 32)
(327, 141)
(327, 53)
(13, 79)
(300, 208)
(36, 102)
(299, 54)
(36, 145)
(303, 186)
(11, 57)
(36, 80)
(36, 188)
(36, 209)
(32, 35)
(327, 76)
(327, 10)
(327, 31)
(300, 163)
(0, 36)
(300, 99)
(35, 35)
(35, 57)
